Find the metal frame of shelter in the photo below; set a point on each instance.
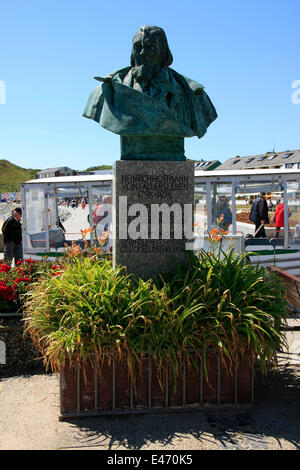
(206, 183)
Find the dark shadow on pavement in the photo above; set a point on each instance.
(39, 369)
(274, 416)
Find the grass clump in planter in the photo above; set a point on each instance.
(213, 304)
(226, 305)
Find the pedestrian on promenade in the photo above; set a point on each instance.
(279, 218)
(223, 213)
(259, 215)
(102, 220)
(12, 237)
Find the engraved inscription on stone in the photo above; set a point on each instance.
(153, 200)
(150, 186)
(152, 246)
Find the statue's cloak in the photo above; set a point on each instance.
(174, 106)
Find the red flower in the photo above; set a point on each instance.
(5, 268)
(8, 293)
(22, 279)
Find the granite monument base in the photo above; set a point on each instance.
(153, 215)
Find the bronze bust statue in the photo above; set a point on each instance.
(149, 100)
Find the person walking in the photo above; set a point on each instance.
(223, 213)
(259, 215)
(279, 218)
(102, 219)
(12, 237)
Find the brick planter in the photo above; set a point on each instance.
(83, 392)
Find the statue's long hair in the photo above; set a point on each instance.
(167, 58)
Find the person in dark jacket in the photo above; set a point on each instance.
(12, 236)
(259, 215)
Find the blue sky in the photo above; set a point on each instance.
(245, 53)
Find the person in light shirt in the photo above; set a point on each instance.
(102, 217)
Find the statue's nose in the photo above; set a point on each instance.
(143, 51)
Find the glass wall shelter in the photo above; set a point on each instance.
(55, 210)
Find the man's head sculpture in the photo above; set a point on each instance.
(150, 44)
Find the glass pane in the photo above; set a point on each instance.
(52, 209)
(293, 192)
(246, 195)
(37, 221)
(221, 206)
(200, 215)
(34, 210)
(34, 231)
(73, 211)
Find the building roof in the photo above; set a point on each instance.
(71, 179)
(264, 160)
(55, 169)
(219, 175)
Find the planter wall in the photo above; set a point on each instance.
(17, 348)
(85, 392)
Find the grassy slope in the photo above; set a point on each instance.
(12, 175)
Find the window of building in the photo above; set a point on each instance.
(235, 161)
(271, 157)
(260, 159)
(287, 155)
(249, 160)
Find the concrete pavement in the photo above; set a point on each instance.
(29, 410)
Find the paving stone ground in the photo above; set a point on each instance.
(29, 410)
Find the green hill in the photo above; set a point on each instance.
(12, 175)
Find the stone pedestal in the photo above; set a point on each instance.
(153, 214)
(153, 147)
